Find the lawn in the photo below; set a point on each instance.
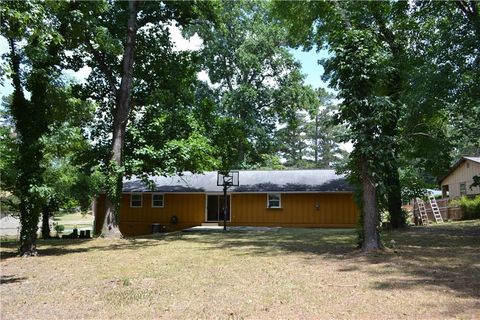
(434, 272)
(74, 220)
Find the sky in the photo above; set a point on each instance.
(308, 60)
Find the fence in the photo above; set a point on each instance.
(448, 213)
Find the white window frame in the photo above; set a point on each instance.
(163, 200)
(279, 200)
(141, 200)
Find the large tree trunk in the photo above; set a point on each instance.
(395, 87)
(371, 238)
(394, 198)
(45, 222)
(27, 162)
(122, 109)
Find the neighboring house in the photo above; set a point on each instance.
(457, 181)
(286, 198)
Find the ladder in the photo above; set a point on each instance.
(436, 211)
(423, 212)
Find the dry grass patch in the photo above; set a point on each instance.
(290, 273)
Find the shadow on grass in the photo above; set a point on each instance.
(4, 279)
(61, 247)
(444, 257)
(310, 241)
(441, 256)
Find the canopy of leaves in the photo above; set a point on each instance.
(257, 83)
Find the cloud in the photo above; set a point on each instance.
(194, 43)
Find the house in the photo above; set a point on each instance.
(457, 181)
(284, 198)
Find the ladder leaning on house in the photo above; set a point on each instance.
(436, 211)
(423, 211)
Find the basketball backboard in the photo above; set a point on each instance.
(227, 178)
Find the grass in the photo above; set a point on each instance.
(434, 272)
(72, 220)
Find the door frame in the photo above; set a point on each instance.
(206, 206)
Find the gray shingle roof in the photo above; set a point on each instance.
(250, 181)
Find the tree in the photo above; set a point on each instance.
(120, 117)
(70, 178)
(144, 99)
(323, 134)
(311, 139)
(447, 50)
(357, 69)
(293, 141)
(32, 26)
(257, 82)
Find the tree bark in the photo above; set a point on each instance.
(371, 237)
(45, 222)
(395, 87)
(394, 198)
(122, 109)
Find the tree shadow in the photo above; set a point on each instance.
(444, 257)
(61, 247)
(310, 241)
(441, 257)
(5, 279)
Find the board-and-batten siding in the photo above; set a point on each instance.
(188, 208)
(298, 210)
(464, 173)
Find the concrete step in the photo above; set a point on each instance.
(210, 224)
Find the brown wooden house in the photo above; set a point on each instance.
(283, 198)
(457, 182)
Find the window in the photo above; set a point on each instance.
(445, 191)
(157, 200)
(274, 200)
(136, 200)
(463, 189)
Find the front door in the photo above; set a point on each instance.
(215, 207)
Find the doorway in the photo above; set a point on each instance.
(215, 208)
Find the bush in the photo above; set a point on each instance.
(470, 207)
(59, 228)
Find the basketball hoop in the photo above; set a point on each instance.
(226, 179)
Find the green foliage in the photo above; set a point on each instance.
(471, 207)
(413, 185)
(446, 74)
(31, 25)
(476, 181)
(59, 228)
(44, 126)
(257, 83)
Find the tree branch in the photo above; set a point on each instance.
(385, 32)
(103, 67)
(228, 78)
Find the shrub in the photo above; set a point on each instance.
(470, 207)
(59, 228)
